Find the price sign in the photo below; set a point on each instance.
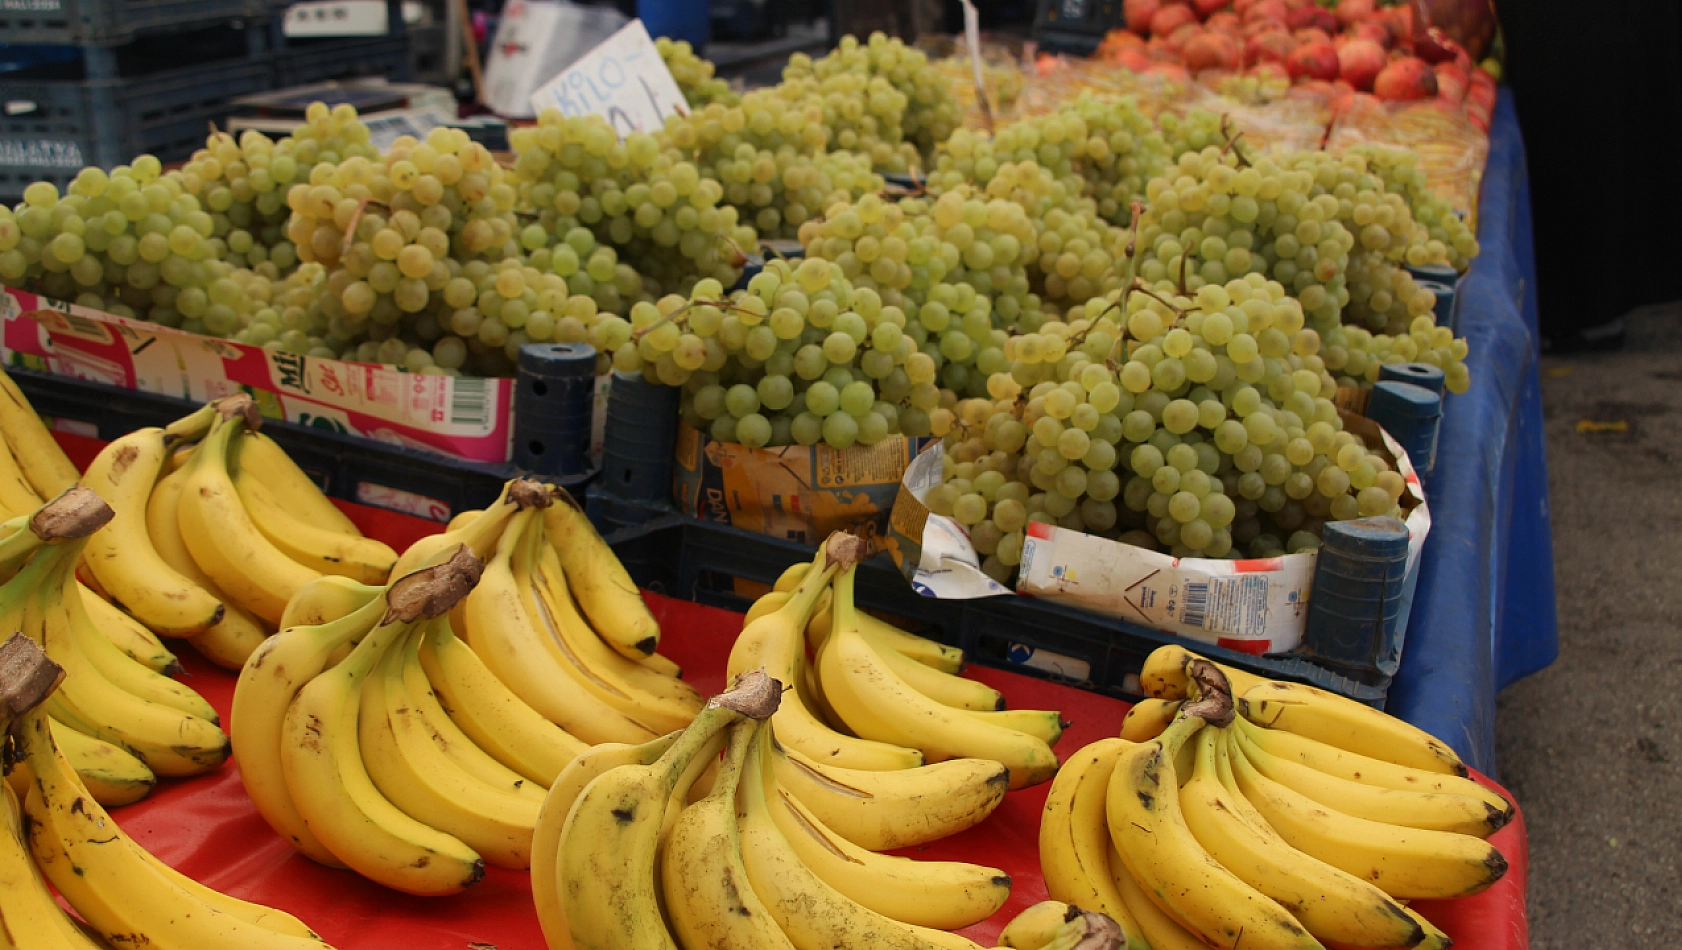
(623, 80)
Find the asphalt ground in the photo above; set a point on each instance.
(1587, 745)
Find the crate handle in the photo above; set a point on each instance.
(16, 107)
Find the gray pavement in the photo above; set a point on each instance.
(1589, 746)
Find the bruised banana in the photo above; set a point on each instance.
(1148, 717)
(1345, 724)
(324, 551)
(326, 599)
(1075, 838)
(598, 581)
(1163, 675)
(129, 635)
(113, 776)
(1161, 931)
(29, 911)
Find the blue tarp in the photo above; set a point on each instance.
(1483, 615)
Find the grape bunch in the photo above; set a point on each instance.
(1449, 239)
(880, 98)
(694, 75)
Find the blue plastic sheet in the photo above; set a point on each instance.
(1483, 615)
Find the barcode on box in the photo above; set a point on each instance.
(470, 402)
(1196, 612)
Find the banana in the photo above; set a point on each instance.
(946, 689)
(490, 714)
(480, 534)
(463, 518)
(121, 671)
(790, 578)
(777, 643)
(1161, 931)
(600, 584)
(934, 655)
(943, 895)
(326, 599)
(1147, 718)
(432, 788)
(505, 635)
(138, 643)
(258, 454)
(812, 914)
(708, 897)
(113, 777)
(121, 555)
(900, 808)
(319, 549)
(1332, 905)
(271, 679)
(1345, 724)
(1034, 927)
(221, 536)
(662, 665)
(1164, 674)
(110, 882)
(1150, 833)
(770, 603)
(1405, 863)
(607, 866)
(1075, 839)
(1043, 724)
(661, 701)
(874, 702)
(229, 642)
(16, 494)
(551, 821)
(44, 463)
(30, 918)
(1430, 811)
(329, 783)
(1368, 771)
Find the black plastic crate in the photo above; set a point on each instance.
(701, 561)
(346, 466)
(1075, 26)
(304, 61)
(113, 22)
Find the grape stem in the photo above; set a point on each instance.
(1232, 140)
(350, 228)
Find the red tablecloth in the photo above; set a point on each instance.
(207, 828)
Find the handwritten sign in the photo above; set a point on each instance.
(623, 80)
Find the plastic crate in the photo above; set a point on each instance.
(348, 467)
(113, 22)
(302, 62)
(51, 128)
(702, 561)
(1075, 26)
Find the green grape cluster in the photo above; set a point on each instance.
(879, 97)
(694, 75)
(1448, 237)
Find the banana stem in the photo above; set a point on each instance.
(76, 513)
(846, 614)
(27, 677)
(1212, 694)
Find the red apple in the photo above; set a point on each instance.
(1170, 18)
(1407, 78)
(1311, 35)
(1370, 30)
(1266, 10)
(1138, 13)
(1399, 20)
(1270, 47)
(1208, 8)
(1301, 17)
(1351, 11)
(1224, 22)
(1359, 63)
(1313, 61)
(1210, 50)
(1177, 40)
(1451, 82)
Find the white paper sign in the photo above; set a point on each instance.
(623, 80)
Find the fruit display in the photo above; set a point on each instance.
(1265, 814)
(51, 833)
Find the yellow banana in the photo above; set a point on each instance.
(480, 534)
(790, 579)
(1147, 718)
(30, 918)
(47, 467)
(319, 549)
(770, 603)
(662, 665)
(600, 584)
(874, 702)
(128, 635)
(1045, 725)
(490, 714)
(1075, 839)
(1161, 931)
(1369, 771)
(551, 821)
(934, 655)
(110, 881)
(708, 897)
(258, 454)
(1432, 811)
(121, 555)
(777, 643)
(411, 771)
(899, 808)
(1405, 863)
(326, 599)
(271, 679)
(946, 689)
(463, 518)
(1150, 833)
(321, 758)
(222, 538)
(944, 895)
(812, 914)
(1332, 905)
(1164, 674)
(113, 777)
(16, 495)
(523, 657)
(1346, 724)
(1034, 927)
(121, 671)
(607, 866)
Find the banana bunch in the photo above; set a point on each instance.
(1054, 925)
(216, 529)
(871, 697)
(1240, 810)
(118, 722)
(668, 845)
(380, 742)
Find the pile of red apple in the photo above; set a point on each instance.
(1357, 46)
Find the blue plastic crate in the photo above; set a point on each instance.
(113, 22)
